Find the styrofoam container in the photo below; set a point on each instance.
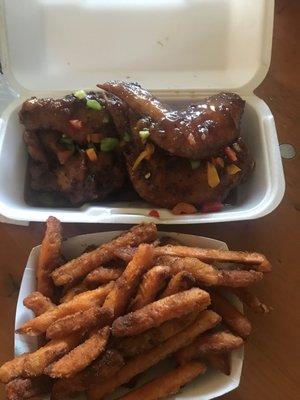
(212, 384)
(180, 50)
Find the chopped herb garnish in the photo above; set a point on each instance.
(126, 137)
(80, 94)
(144, 134)
(109, 144)
(195, 164)
(94, 104)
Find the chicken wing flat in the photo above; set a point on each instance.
(166, 180)
(73, 146)
(60, 114)
(200, 131)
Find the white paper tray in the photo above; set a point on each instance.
(208, 386)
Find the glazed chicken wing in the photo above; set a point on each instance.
(71, 116)
(198, 132)
(64, 138)
(166, 180)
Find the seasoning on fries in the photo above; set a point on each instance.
(162, 310)
(38, 303)
(50, 257)
(216, 342)
(152, 282)
(81, 356)
(231, 315)
(167, 384)
(81, 266)
(124, 307)
(82, 301)
(136, 365)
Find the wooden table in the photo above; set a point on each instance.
(271, 366)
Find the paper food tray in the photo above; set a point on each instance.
(212, 384)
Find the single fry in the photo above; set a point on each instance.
(33, 364)
(250, 300)
(73, 291)
(239, 278)
(81, 266)
(220, 362)
(125, 253)
(12, 369)
(203, 274)
(36, 362)
(207, 275)
(231, 316)
(102, 275)
(97, 277)
(178, 283)
(96, 316)
(167, 384)
(102, 368)
(153, 281)
(125, 286)
(257, 261)
(49, 257)
(82, 301)
(80, 357)
(133, 345)
(20, 389)
(216, 342)
(138, 364)
(156, 313)
(38, 303)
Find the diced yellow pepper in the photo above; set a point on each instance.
(91, 154)
(145, 154)
(212, 175)
(233, 169)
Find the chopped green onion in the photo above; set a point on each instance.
(109, 144)
(80, 94)
(195, 164)
(126, 137)
(94, 104)
(144, 134)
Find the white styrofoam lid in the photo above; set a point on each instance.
(194, 45)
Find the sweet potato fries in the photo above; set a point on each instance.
(112, 313)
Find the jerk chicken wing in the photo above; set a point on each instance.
(193, 156)
(73, 145)
(195, 133)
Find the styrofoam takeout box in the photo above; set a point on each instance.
(180, 50)
(212, 384)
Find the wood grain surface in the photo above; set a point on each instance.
(271, 366)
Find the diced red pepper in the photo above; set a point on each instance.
(154, 213)
(76, 123)
(230, 153)
(214, 206)
(184, 209)
(218, 162)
